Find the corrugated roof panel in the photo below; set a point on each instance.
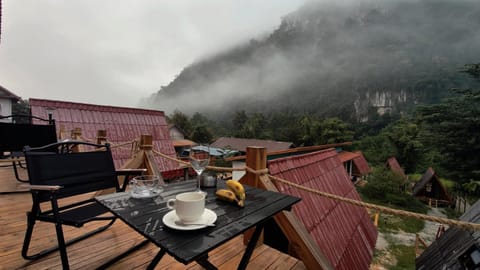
(333, 225)
(122, 125)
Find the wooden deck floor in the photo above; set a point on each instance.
(98, 249)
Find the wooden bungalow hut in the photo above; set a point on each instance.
(393, 165)
(344, 234)
(456, 248)
(430, 189)
(355, 164)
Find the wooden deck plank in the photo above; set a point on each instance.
(96, 250)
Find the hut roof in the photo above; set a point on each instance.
(454, 246)
(393, 164)
(122, 125)
(428, 176)
(5, 93)
(344, 233)
(241, 144)
(359, 161)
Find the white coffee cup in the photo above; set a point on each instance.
(189, 206)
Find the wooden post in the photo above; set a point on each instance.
(144, 158)
(101, 136)
(146, 142)
(257, 160)
(76, 135)
(377, 215)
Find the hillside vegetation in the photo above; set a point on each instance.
(350, 61)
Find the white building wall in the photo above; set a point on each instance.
(5, 109)
(236, 175)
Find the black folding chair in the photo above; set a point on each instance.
(56, 173)
(14, 136)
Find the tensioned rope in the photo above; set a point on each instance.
(383, 209)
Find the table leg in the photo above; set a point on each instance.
(206, 264)
(157, 259)
(250, 247)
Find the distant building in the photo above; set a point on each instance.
(177, 135)
(394, 166)
(456, 248)
(430, 188)
(241, 144)
(7, 99)
(355, 164)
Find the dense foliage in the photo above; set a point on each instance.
(445, 135)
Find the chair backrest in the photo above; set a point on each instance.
(76, 172)
(13, 136)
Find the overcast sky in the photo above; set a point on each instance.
(115, 52)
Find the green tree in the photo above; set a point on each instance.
(21, 108)
(332, 130)
(201, 134)
(182, 121)
(284, 126)
(308, 125)
(199, 119)
(377, 149)
(404, 137)
(255, 126)
(454, 126)
(239, 120)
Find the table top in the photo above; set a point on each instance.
(145, 216)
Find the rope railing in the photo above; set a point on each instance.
(383, 209)
(122, 144)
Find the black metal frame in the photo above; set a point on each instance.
(12, 142)
(72, 179)
(205, 263)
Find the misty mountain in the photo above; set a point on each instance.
(337, 59)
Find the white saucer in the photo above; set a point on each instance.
(208, 217)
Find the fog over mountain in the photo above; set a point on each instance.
(344, 59)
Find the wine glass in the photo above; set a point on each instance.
(199, 157)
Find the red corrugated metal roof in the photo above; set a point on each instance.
(122, 125)
(393, 164)
(361, 164)
(343, 232)
(346, 156)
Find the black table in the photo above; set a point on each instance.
(145, 216)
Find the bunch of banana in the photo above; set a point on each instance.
(234, 193)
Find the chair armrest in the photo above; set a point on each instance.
(41, 187)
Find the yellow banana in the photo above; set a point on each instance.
(228, 195)
(237, 188)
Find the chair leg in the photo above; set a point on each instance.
(28, 237)
(45, 252)
(15, 170)
(62, 246)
